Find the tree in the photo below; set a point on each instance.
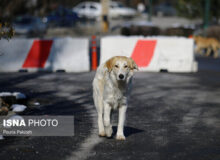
(6, 31)
(190, 8)
(196, 9)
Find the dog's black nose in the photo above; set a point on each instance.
(121, 76)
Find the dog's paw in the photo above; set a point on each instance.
(108, 131)
(102, 134)
(120, 137)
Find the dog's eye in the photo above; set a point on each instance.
(116, 66)
(125, 66)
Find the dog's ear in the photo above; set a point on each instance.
(109, 64)
(132, 64)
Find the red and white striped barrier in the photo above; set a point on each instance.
(72, 54)
(152, 54)
(69, 54)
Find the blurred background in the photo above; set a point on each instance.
(179, 112)
(83, 18)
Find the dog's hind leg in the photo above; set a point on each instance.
(216, 52)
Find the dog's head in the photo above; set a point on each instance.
(121, 67)
(197, 38)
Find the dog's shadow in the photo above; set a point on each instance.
(127, 131)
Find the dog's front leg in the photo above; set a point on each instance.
(208, 52)
(121, 120)
(107, 123)
(100, 123)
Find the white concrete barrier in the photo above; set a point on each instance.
(69, 54)
(13, 53)
(173, 54)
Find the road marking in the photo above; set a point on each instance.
(85, 149)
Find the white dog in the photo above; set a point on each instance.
(111, 87)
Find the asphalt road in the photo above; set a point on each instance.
(170, 116)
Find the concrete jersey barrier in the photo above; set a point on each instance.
(155, 54)
(69, 54)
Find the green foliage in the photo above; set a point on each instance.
(195, 8)
(190, 8)
(6, 31)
